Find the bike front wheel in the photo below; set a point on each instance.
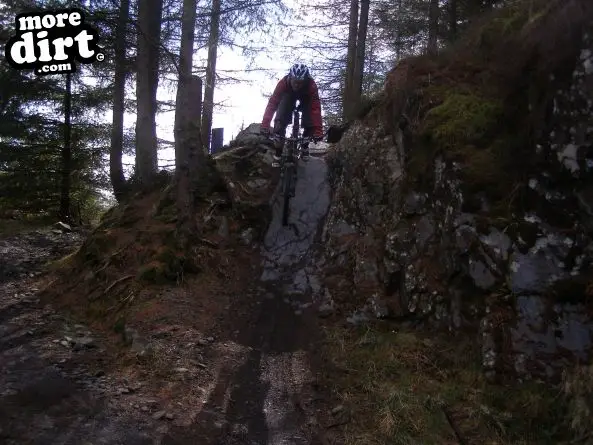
(287, 193)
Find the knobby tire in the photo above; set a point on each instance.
(290, 172)
(287, 192)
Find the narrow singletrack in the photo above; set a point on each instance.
(266, 399)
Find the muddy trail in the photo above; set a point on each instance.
(262, 388)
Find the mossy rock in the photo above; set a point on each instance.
(462, 119)
(470, 126)
(508, 22)
(420, 166)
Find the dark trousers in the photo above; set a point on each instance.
(284, 114)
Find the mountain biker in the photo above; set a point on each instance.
(296, 85)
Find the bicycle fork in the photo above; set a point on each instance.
(288, 176)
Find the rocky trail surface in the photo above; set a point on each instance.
(251, 381)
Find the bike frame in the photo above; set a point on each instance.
(288, 173)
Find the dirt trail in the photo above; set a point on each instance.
(262, 389)
(268, 398)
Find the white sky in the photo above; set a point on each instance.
(245, 102)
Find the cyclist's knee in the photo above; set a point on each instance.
(279, 128)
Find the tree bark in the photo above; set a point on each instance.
(366, 82)
(208, 105)
(188, 141)
(452, 20)
(473, 8)
(186, 50)
(116, 170)
(433, 27)
(398, 39)
(360, 52)
(149, 27)
(350, 60)
(66, 153)
(189, 152)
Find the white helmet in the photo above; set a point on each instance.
(298, 71)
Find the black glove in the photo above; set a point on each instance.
(317, 139)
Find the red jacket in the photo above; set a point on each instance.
(311, 92)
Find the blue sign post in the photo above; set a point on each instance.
(216, 140)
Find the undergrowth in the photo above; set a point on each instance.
(402, 387)
(481, 103)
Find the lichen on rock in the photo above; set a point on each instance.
(476, 214)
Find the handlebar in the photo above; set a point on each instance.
(276, 137)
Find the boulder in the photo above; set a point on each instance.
(455, 222)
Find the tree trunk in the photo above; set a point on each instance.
(186, 50)
(189, 152)
(452, 20)
(398, 39)
(188, 143)
(66, 153)
(370, 51)
(473, 8)
(433, 27)
(208, 105)
(149, 27)
(360, 50)
(351, 60)
(116, 170)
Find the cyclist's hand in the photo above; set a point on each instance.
(265, 131)
(317, 138)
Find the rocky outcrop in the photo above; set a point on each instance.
(468, 230)
(246, 165)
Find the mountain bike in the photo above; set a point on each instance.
(292, 152)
